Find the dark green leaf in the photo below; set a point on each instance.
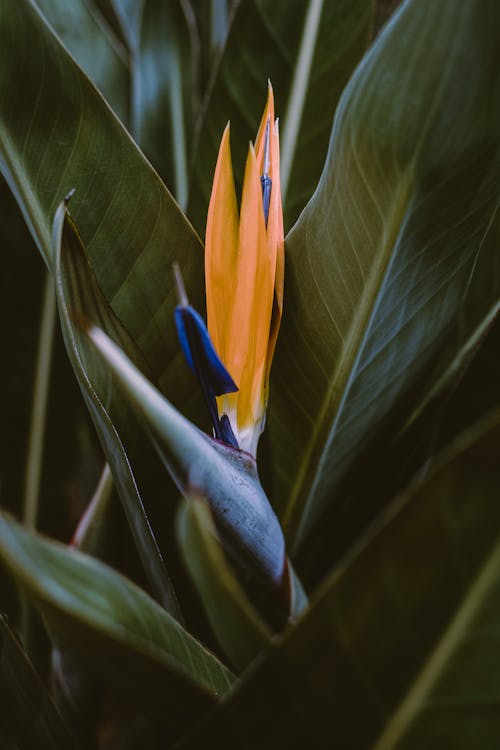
(95, 49)
(163, 89)
(114, 627)
(264, 42)
(237, 625)
(403, 633)
(56, 134)
(394, 250)
(28, 717)
(78, 294)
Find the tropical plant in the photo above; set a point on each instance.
(345, 593)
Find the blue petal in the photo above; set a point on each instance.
(199, 351)
(266, 184)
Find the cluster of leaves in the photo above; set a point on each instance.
(392, 292)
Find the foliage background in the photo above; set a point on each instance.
(72, 457)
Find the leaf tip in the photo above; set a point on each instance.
(69, 196)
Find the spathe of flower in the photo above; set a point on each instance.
(244, 272)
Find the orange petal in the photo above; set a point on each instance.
(275, 235)
(251, 317)
(221, 248)
(260, 139)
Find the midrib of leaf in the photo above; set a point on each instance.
(307, 472)
(441, 655)
(298, 91)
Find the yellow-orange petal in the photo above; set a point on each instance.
(260, 139)
(252, 307)
(221, 249)
(275, 236)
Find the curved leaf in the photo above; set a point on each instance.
(403, 633)
(57, 134)
(237, 625)
(264, 42)
(114, 627)
(78, 294)
(383, 262)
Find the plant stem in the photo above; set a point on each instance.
(296, 101)
(34, 456)
(178, 137)
(39, 406)
(218, 24)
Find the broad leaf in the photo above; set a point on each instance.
(394, 249)
(237, 625)
(56, 134)
(403, 633)
(28, 717)
(114, 627)
(95, 49)
(264, 42)
(78, 294)
(163, 75)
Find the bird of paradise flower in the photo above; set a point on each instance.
(244, 274)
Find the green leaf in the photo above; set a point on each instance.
(227, 477)
(78, 294)
(162, 95)
(403, 633)
(56, 134)
(264, 42)
(238, 627)
(28, 717)
(114, 627)
(394, 250)
(95, 49)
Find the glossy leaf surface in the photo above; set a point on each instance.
(57, 134)
(94, 47)
(394, 250)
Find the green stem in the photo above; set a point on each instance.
(218, 24)
(92, 523)
(300, 83)
(39, 406)
(37, 429)
(178, 137)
